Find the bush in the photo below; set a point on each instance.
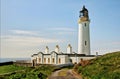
(116, 75)
(80, 69)
(103, 67)
(42, 76)
(40, 72)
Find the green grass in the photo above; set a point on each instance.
(40, 72)
(103, 67)
(10, 68)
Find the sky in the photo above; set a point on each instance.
(28, 26)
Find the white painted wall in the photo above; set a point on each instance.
(47, 56)
(74, 59)
(54, 55)
(40, 56)
(64, 59)
(83, 35)
(85, 58)
(77, 59)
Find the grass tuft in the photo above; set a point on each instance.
(103, 67)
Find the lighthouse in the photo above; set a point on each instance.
(83, 32)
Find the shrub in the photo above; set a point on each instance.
(103, 67)
(80, 69)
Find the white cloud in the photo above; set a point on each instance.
(23, 46)
(62, 33)
(24, 32)
(28, 41)
(64, 29)
(17, 45)
(103, 47)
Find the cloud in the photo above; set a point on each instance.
(17, 45)
(103, 47)
(24, 32)
(63, 29)
(63, 33)
(28, 41)
(116, 43)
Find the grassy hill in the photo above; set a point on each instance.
(19, 72)
(103, 67)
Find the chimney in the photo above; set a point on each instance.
(46, 50)
(69, 49)
(57, 49)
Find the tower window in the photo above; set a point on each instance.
(85, 24)
(85, 43)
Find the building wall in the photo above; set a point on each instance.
(84, 38)
(62, 59)
(40, 58)
(74, 59)
(58, 59)
(84, 58)
(78, 59)
(46, 58)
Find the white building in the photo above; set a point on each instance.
(83, 32)
(57, 57)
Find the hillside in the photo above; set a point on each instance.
(103, 67)
(19, 72)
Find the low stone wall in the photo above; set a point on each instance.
(25, 63)
(6, 63)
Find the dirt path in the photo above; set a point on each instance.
(78, 76)
(65, 74)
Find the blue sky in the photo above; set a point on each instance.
(27, 26)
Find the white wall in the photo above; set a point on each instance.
(84, 58)
(47, 56)
(74, 59)
(64, 59)
(77, 59)
(83, 35)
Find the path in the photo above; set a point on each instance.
(65, 74)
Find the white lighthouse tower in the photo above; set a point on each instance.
(83, 32)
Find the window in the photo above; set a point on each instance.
(36, 59)
(81, 14)
(44, 60)
(48, 60)
(59, 60)
(39, 59)
(53, 60)
(85, 24)
(85, 43)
